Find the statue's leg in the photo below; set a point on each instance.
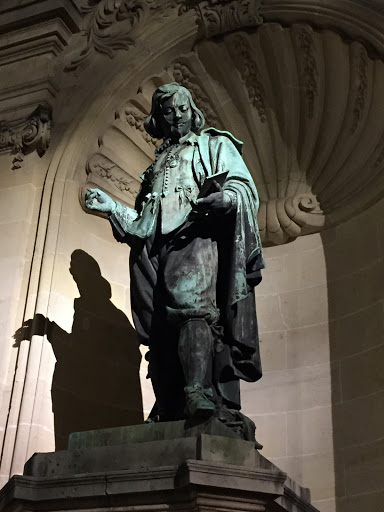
(154, 329)
(190, 276)
(195, 352)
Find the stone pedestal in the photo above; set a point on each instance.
(155, 467)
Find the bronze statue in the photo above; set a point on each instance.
(195, 260)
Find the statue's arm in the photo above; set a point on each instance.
(217, 201)
(120, 215)
(225, 157)
(228, 158)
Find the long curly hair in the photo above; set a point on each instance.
(153, 124)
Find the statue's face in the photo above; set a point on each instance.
(176, 116)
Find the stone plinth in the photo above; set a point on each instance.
(155, 467)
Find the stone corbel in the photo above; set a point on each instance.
(25, 136)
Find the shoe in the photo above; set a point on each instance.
(199, 402)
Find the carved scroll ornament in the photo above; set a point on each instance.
(110, 27)
(25, 136)
(113, 25)
(283, 220)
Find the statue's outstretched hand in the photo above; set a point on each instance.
(96, 199)
(216, 202)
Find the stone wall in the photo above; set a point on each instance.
(354, 254)
(292, 404)
(93, 340)
(20, 200)
(319, 406)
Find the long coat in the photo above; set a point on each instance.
(240, 256)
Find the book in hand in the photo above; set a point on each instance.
(208, 185)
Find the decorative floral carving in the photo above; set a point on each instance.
(135, 118)
(249, 73)
(24, 137)
(220, 16)
(184, 76)
(308, 68)
(113, 25)
(106, 169)
(362, 89)
(283, 220)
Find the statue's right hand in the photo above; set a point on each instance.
(96, 199)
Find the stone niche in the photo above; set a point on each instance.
(300, 83)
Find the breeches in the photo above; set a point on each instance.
(173, 279)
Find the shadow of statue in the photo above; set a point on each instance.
(96, 381)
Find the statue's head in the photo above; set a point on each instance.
(174, 113)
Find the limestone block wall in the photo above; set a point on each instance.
(81, 369)
(319, 408)
(20, 198)
(292, 404)
(88, 374)
(354, 254)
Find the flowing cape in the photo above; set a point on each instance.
(240, 262)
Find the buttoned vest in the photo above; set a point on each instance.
(173, 181)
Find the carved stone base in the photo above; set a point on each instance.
(142, 469)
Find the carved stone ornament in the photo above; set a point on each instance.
(216, 17)
(134, 115)
(182, 73)
(117, 172)
(102, 167)
(25, 136)
(114, 25)
(313, 133)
